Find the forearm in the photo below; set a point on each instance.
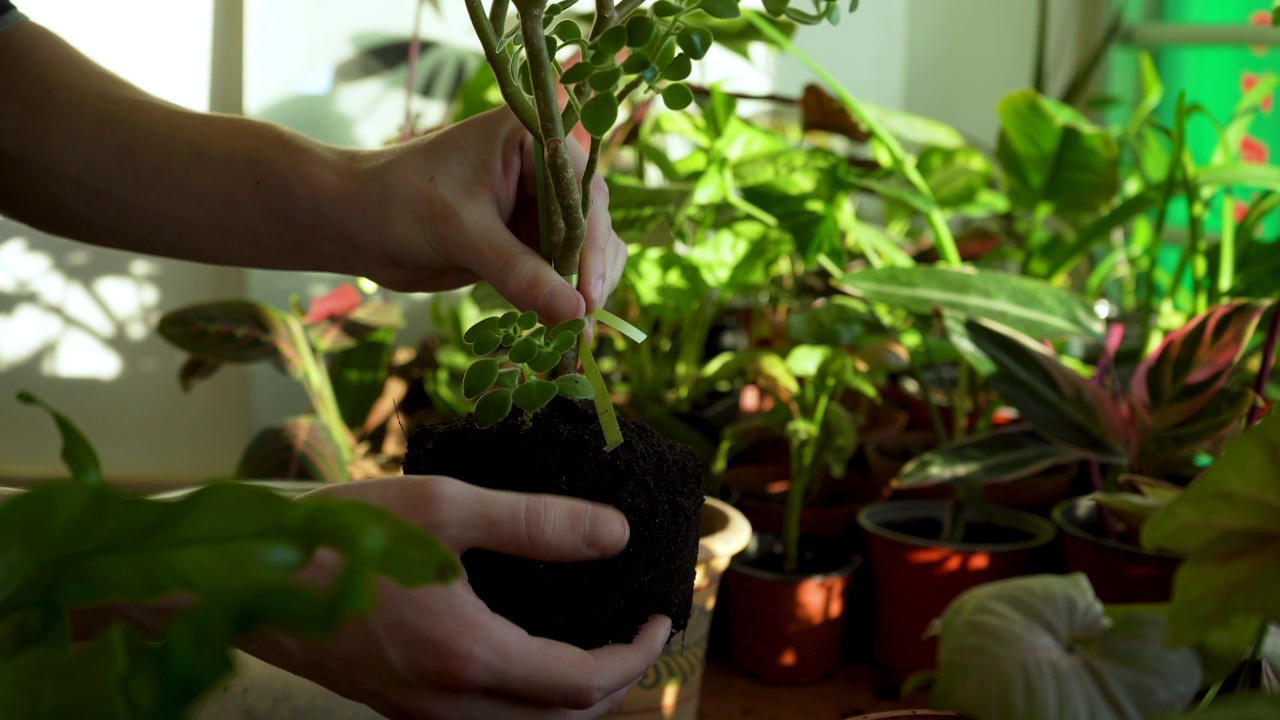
(85, 155)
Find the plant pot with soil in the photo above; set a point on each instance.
(915, 573)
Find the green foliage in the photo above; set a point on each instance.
(77, 453)
(986, 459)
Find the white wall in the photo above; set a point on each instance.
(74, 320)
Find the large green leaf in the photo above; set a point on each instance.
(985, 459)
(1041, 647)
(1055, 399)
(77, 452)
(299, 448)
(359, 373)
(236, 331)
(1238, 706)
(1227, 524)
(1030, 306)
(1051, 153)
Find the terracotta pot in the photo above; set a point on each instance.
(914, 578)
(786, 628)
(762, 490)
(911, 715)
(671, 688)
(1119, 571)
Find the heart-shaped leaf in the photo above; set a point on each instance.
(493, 407)
(534, 394)
(544, 361)
(300, 448)
(480, 376)
(1040, 646)
(523, 350)
(485, 342)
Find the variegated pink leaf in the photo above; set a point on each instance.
(300, 448)
(237, 331)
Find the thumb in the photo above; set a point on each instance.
(520, 274)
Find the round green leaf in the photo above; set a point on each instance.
(567, 30)
(526, 80)
(508, 378)
(665, 8)
(636, 62)
(677, 96)
(485, 343)
(563, 342)
(678, 69)
(613, 40)
(553, 45)
(695, 41)
(599, 114)
(640, 30)
(544, 361)
(538, 333)
(509, 338)
(605, 80)
(600, 58)
(534, 395)
(479, 377)
(486, 325)
(574, 326)
(575, 387)
(527, 320)
(508, 319)
(492, 407)
(720, 9)
(577, 73)
(524, 350)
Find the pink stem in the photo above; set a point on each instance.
(410, 80)
(1106, 363)
(1268, 363)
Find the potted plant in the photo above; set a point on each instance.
(248, 543)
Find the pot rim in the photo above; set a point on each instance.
(1058, 514)
(869, 518)
(843, 571)
(730, 539)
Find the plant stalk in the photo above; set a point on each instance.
(411, 72)
(507, 85)
(1268, 364)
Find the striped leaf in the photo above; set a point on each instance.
(237, 331)
(986, 459)
(300, 448)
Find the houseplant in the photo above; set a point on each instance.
(246, 542)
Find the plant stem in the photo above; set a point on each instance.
(498, 16)
(1042, 46)
(1227, 246)
(588, 173)
(942, 235)
(411, 71)
(605, 18)
(563, 179)
(511, 92)
(1268, 364)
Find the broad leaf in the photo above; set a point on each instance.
(359, 373)
(236, 331)
(1030, 306)
(1051, 153)
(1056, 400)
(955, 176)
(1237, 706)
(300, 448)
(1227, 524)
(1192, 364)
(1041, 647)
(195, 369)
(985, 459)
(77, 452)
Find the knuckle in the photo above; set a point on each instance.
(539, 521)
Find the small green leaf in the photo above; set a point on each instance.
(574, 326)
(527, 320)
(605, 80)
(509, 338)
(721, 9)
(677, 96)
(563, 342)
(576, 74)
(485, 343)
(538, 333)
(640, 30)
(637, 62)
(665, 54)
(613, 40)
(526, 80)
(479, 377)
(599, 114)
(575, 387)
(534, 395)
(567, 30)
(695, 41)
(488, 324)
(77, 452)
(508, 378)
(508, 319)
(493, 407)
(665, 8)
(678, 69)
(524, 350)
(544, 361)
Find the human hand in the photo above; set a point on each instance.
(460, 205)
(438, 651)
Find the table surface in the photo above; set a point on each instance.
(849, 693)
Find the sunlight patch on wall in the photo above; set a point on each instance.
(65, 324)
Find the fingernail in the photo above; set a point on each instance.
(607, 531)
(597, 292)
(559, 302)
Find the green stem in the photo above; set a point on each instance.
(588, 173)
(1042, 46)
(319, 389)
(498, 16)
(943, 237)
(607, 416)
(1227, 246)
(511, 92)
(606, 17)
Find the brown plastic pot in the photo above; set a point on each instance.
(786, 628)
(914, 578)
(1119, 571)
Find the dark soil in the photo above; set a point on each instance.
(655, 482)
(980, 533)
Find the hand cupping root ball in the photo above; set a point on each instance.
(1041, 648)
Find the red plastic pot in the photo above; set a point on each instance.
(914, 578)
(1120, 572)
(761, 495)
(786, 628)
